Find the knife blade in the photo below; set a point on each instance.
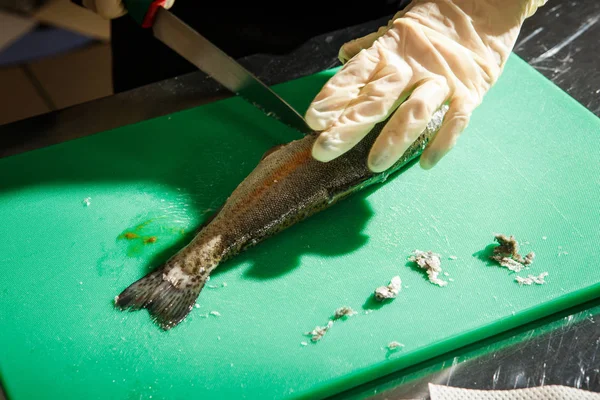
(199, 51)
(224, 69)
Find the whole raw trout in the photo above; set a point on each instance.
(287, 186)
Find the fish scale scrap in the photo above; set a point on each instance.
(531, 279)
(431, 263)
(509, 263)
(390, 291)
(344, 312)
(394, 345)
(319, 331)
(507, 253)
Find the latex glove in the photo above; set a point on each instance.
(110, 9)
(433, 52)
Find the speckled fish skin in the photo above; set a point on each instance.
(287, 186)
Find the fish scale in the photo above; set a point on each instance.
(287, 186)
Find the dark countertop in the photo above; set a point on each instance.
(559, 350)
(559, 41)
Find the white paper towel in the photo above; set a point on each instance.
(551, 392)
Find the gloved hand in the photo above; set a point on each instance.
(432, 52)
(109, 9)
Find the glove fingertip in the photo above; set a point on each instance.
(379, 159)
(427, 161)
(436, 150)
(316, 121)
(321, 152)
(328, 146)
(344, 55)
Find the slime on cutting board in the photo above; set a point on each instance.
(146, 233)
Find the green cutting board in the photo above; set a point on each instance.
(527, 165)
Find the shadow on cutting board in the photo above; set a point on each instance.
(205, 165)
(281, 253)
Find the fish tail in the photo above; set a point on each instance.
(167, 302)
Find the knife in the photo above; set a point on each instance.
(199, 51)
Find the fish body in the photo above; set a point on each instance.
(287, 186)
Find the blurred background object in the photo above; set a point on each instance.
(21, 6)
(53, 54)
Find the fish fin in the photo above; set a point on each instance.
(271, 150)
(167, 304)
